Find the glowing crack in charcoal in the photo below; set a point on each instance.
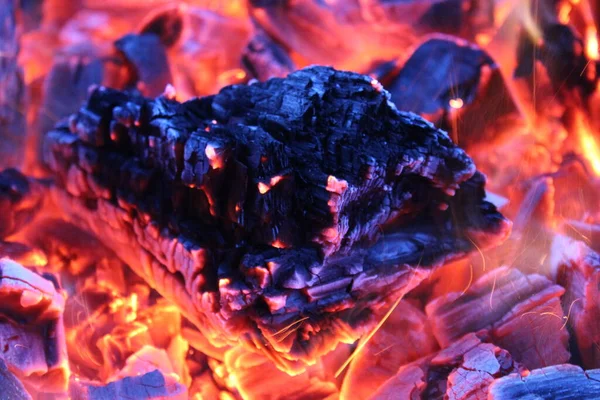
(173, 237)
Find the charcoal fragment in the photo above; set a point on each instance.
(560, 382)
(20, 198)
(577, 268)
(152, 385)
(440, 70)
(508, 303)
(263, 58)
(31, 328)
(12, 388)
(464, 370)
(147, 61)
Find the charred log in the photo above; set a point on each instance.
(265, 204)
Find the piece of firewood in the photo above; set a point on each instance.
(274, 206)
(522, 313)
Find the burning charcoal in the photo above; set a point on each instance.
(462, 371)
(441, 72)
(387, 351)
(12, 388)
(522, 312)
(563, 56)
(20, 198)
(99, 26)
(106, 338)
(32, 332)
(457, 85)
(152, 385)
(147, 62)
(72, 251)
(66, 84)
(349, 35)
(263, 58)
(560, 382)
(12, 90)
(23, 254)
(339, 198)
(576, 267)
(203, 46)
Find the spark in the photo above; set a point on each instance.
(470, 280)
(493, 289)
(284, 329)
(363, 343)
(569, 314)
(386, 349)
(480, 252)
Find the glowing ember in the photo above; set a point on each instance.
(456, 103)
(263, 187)
(278, 244)
(213, 157)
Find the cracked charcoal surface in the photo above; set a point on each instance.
(577, 267)
(305, 197)
(508, 303)
(462, 371)
(560, 382)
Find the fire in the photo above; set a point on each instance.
(589, 146)
(541, 156)
(591, 45)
